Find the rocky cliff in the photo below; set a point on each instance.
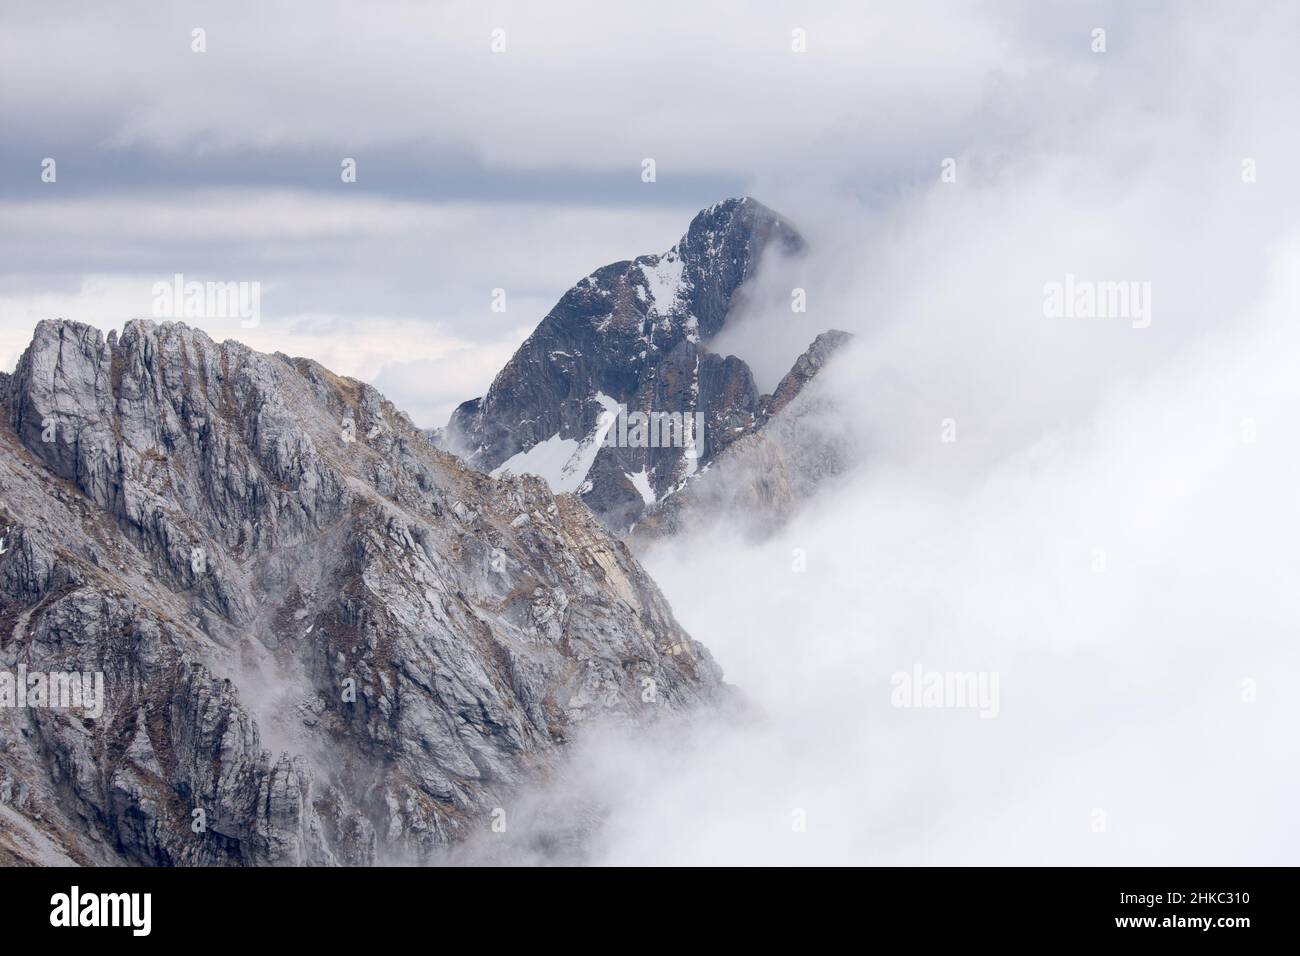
(322, 639)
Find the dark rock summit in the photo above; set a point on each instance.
(322, 639)
(631, 338)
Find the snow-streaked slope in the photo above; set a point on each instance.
(563, 462)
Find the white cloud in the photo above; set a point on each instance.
(1113, 533)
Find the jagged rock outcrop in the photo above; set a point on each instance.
(322, 639)
(802, 439)
(806, 367)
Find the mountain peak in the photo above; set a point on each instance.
(738, 229)
(337, 641)
(631, 337)
(746, 209)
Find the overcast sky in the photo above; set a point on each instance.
(476, 169)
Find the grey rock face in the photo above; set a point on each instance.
(322, 639)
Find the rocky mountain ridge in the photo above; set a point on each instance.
(323, 640)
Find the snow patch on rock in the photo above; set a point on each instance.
(641, 482)
(664, 282)
(563, 463)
